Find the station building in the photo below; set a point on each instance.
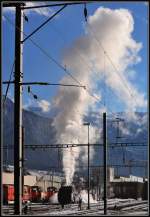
(42, 179)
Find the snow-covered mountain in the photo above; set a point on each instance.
(39, 130)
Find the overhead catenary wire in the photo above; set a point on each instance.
(8, 85)
(88, 66)
(105, 54)
(38, 28)
(60, 65)
(34, 83)
(47, 54)
(101, 166)
(55, 61)
(59, 33)
(68, 145)
(45, 84)
(51, 58)
(64, 68)
(55, 5)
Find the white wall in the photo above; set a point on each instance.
(8, 178)
(30, 180)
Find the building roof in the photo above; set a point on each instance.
(131, 178)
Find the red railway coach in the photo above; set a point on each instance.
(26, 193)
(8, 193)
(35, 193)
(50, 192)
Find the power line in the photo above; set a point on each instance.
(56, 62)
(59, 65)
(59, 33)
(70, 145)
(46, 54)
(37, 29)
(55, 5)
(97, 99)
(65, 70)
(87, 64)
(8, 85)
(51, 58)
(44, 83)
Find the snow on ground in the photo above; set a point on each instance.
(84, 196)
(94, 209)
(54, 199)
(61, 212)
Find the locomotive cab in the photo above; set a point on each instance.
(65, 195)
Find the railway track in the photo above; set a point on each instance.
(123, 206)
(97, 209)
(40, 208)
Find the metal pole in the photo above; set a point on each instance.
(105, 161)
(23, 137)
(1, 129)
(18, 113)
(52, 178)
(88, 170)
(7, 156)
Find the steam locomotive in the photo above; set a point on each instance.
(66, 195)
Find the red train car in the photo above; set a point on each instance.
(50, 192)
(35, 193)
(26, 193)
(8, 193)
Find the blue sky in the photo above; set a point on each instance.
(59, 34)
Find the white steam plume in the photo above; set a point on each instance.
(113, 29)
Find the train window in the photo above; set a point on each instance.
(25, 191)
(51, 189)
(39, 189)
(34, 189)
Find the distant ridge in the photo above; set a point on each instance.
(39, 130)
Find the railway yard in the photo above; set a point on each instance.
(79, 148)
(114, 207)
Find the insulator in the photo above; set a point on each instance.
(26, 18)
(29, 90)
(35, 96)
(85, 12)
